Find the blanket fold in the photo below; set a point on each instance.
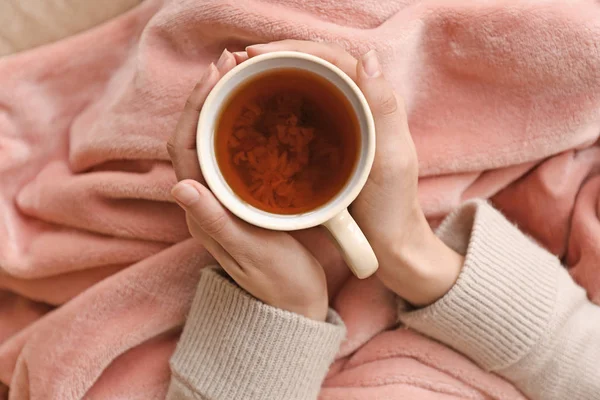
(96, 271)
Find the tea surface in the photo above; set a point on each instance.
(287, 141)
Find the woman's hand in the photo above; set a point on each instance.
(272, 266)
(413, 262)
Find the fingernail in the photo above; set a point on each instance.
(240, 56)
(371, 64)
(223, 59)
(185, 193)
(255, 47)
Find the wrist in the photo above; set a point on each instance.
(420, 267)
(316, 310)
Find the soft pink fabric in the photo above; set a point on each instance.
(96, 272)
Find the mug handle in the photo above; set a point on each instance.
(353, 244)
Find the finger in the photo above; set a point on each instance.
(226, 62)
(388, 110)
(240, 239)
(240, 56)
(182, 143)
(333, 53)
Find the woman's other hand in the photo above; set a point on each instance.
(413, 262)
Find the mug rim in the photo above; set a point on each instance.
(255, 216)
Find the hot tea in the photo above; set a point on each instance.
(287, 141)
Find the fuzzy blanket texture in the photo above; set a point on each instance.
(97, 270)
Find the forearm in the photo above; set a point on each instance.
(235, 347)
(515, 310)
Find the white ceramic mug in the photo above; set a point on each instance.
(334, 214)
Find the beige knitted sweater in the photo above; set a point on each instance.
(514, 310)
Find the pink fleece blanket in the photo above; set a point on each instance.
(96, 268)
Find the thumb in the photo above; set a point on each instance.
(395, 148)
(387, 108)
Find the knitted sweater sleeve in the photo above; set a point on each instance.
(515, 310)
(235, 347)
